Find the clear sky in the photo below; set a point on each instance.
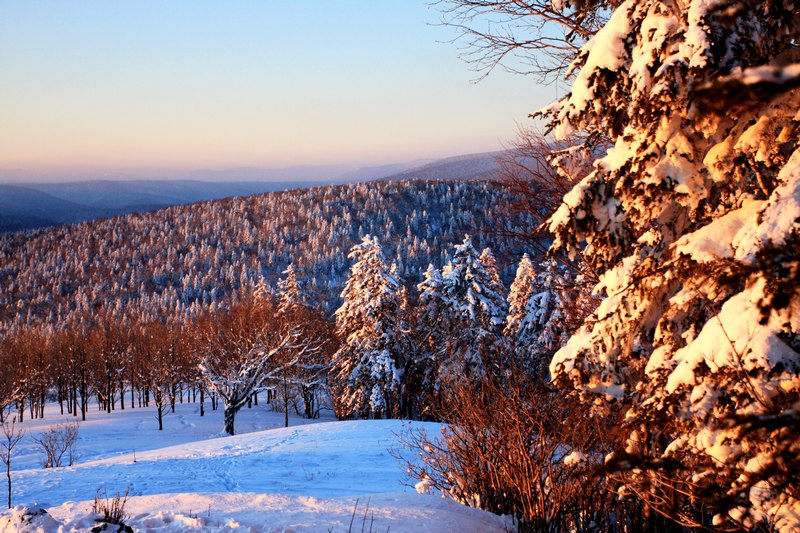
(189, 84)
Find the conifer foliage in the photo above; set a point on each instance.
(468, 312)
(693, 219)
(288, 290)
(370, 324)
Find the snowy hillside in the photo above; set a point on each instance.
(302, 478)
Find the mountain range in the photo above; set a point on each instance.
(30, 205)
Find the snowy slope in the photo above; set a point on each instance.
(301, 478)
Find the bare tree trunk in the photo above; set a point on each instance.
(84, 397)
(285, 403)
(230, 415)
(158, 399)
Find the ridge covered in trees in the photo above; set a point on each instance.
(181, 261)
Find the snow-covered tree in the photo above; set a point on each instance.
(262, 290)
(371, 327)
(489, 262)
(530, 304)
(545, 307)
(693, 219)
(430, 341)
(472, 311)
(288, 290)
(521, 290)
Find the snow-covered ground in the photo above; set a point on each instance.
(307, 477)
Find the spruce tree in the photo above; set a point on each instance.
(288, 290)
(473, 312)
(370, 325)
(693, 220)
(431, 332)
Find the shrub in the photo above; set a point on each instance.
(515, 447)
(57, 443)
(111, 510)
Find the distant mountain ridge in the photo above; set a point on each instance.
(469, 167)
(26, 206)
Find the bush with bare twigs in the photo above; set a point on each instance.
(111, 511)
(514, 447)
(58, 444)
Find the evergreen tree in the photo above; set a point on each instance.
(528, 304)
(489, 262)
(431, 333)
(473, 314)
(262, 291)
(693, 219)
(518, 296)
(288, 290)
(370, 325)
(542, 311)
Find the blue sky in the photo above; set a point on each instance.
(200, 84)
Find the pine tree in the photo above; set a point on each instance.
(529, 306)
(519, 294)
(262, 291)
(542, 311)
(370, 324)
(693, 219)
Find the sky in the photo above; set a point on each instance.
(195, 84)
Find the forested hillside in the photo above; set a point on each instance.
(182, 260)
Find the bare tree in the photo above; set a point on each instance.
(243, 350)
(153, 347)
(538, 37)
(12, 434)
(538, 171)
(308, 375)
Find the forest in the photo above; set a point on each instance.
(125, 310)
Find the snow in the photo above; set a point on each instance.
(779, 219)
(713, 241)
(574, 458)
(769, 73)
(248, 512)
(307, 477)
(737, 336)
(741, 233)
